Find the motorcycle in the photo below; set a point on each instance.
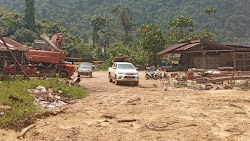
(150, 73)
(157, 74)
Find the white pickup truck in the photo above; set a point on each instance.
(123, 71)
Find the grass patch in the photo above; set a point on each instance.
(21, 113)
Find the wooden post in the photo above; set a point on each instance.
(204, 61)
(4, 63)
(191, 63)
(244, 62)
(234, 60)
(15, 65)
(22, 62)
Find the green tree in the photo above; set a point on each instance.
(209, 11)
(152, 38)
(206, 35)
(180, 29)
(24, 35)
(98, 23)
(29, 17)
(125, 21)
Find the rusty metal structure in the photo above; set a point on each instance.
(12, 54)
(46, 58)
(210, 55)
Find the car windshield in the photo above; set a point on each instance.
(125, 66)
(85, 66)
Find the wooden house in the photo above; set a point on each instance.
(204, 54)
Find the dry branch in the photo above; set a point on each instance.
(127, 120)
(242, 113)
(25, 130)
(109, 116)
(15, 98)
(154, 128)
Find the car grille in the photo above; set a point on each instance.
(130, 73)
(129, 77)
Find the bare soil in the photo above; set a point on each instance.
(175, 114)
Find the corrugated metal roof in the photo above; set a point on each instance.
(207, 44)
(239, 46)
(171, 48)
(187, 47)
(13, 45)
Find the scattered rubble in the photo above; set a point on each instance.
(100, 121)
(227, 87)
(75, 81)
(200, 79)
(47, 99)
(244, 84)
(134, 100)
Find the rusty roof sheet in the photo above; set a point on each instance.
(187, 47)
(209, 45)
(97, 61)
(13, 45)
(171, 48)
(195, 41)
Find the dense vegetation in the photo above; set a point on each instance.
(76, 15)
(13, 25)
(21, 113)
(128, 27)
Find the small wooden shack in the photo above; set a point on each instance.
(210, 55)
(6, 59)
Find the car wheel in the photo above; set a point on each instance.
(155, 77)
(63, 74)
(110, 79)
(136, 83)
(116, 81)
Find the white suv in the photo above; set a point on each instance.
(123, 71)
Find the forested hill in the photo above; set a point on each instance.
(76, 15)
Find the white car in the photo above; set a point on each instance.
(123, 71)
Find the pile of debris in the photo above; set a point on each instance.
(47, 99)
(211, 86)
(200, 79)
(244, 84)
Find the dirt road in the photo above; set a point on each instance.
(176, 114)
